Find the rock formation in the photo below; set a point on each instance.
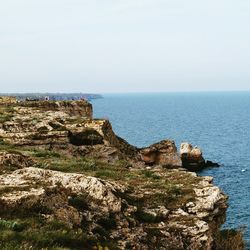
(163, 153)
(148, 227)
(67, 181)
(192, 158)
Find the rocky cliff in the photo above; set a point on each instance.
(68, 182)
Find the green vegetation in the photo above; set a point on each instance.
(46, 154)
(79, 202)
(146, 217)
(36, 233)
(11, 225)
(6, 113)
(229, 239)
(107, 223)
(150, 174)
(4, 144)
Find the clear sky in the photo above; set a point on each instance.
(124, 45)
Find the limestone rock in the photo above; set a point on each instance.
(76, 108)
(192, 158)
(38, 179)
(46, 190)
(163, 153)
(153, 207)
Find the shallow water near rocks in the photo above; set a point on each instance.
(218, 122)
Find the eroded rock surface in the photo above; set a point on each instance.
(163, 153)
(144, 226)
(122, 196)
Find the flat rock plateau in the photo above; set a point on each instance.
(67, 181)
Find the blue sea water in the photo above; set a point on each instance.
(217, 122)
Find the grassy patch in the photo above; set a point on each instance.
(108, 173)
(46, 154)
(146, 217)
(69, 165)
(6, 113)
(37, 234)
(80, 202)
(11, 225)
(150, 174)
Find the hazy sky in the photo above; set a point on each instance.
(124, 45)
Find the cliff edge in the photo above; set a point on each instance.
(67, 181)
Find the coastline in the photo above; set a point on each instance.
(189, 206)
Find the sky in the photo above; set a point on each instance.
(109, 46)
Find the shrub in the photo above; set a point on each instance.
(229, 239)
(79, 202)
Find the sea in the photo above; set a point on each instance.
(218, 122)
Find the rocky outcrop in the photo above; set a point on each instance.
(163, 153)
(68, 125)
(62, 125)
(192, 158)
(36, 181)
(133, 198)
(54, 195)
(80, 108)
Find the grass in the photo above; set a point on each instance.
(4, 144)
(150, 174)
(5, 117)
(6, 113)
(46, 154)
(82, 165)
(11, 225)
(80, 202)
(36, 233)
(146, 217)
(73, 165)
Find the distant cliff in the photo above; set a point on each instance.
(55, 96)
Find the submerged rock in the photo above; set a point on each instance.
(212, 164)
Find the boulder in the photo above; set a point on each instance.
(191, 157)
(163, 153)
(28, 187)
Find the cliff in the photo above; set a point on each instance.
(68, 182)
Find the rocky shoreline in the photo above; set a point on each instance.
(68, 182)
